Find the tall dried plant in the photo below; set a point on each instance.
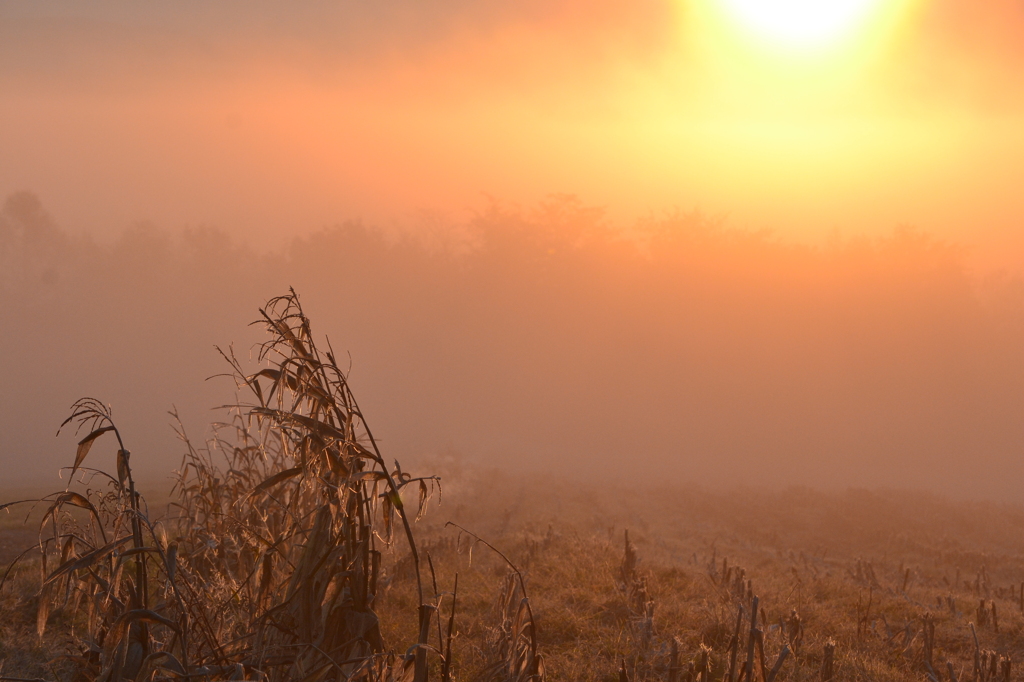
(269, 569)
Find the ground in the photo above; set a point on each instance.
(867, 570)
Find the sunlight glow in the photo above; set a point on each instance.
(801, 23)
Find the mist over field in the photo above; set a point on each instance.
(787, 332)
(705, 316)
(544, 339)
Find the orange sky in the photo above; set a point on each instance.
(272, 121)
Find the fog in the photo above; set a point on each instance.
(542, 339)
(478, 202)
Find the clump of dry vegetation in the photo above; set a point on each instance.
(269, 565)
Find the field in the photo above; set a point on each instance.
(289, 550)
(862, 569)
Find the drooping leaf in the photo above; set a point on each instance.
(162, 661)
(67, 551)
(43, 612)
(367, 476)
(75, 500)
(388, 514)
(335, 462)
(280, 476)
(147, 615)
(85, 445)
(321, 428)
(85, 560)
(172, 561)
(266, 575)
(123, 470)
(424, 499)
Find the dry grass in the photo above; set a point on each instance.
(793, 554)
(270, 564)
(830, 574)
(291, 552)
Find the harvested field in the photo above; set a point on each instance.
(872, 572)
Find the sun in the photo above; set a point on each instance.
(801, 23)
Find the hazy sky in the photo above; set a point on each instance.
(272, 120)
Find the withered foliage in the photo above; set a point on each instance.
(268, 566)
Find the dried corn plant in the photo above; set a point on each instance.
(514, 650)
(270, 568)
(516, 640)
(108, 562)
(633, 584)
